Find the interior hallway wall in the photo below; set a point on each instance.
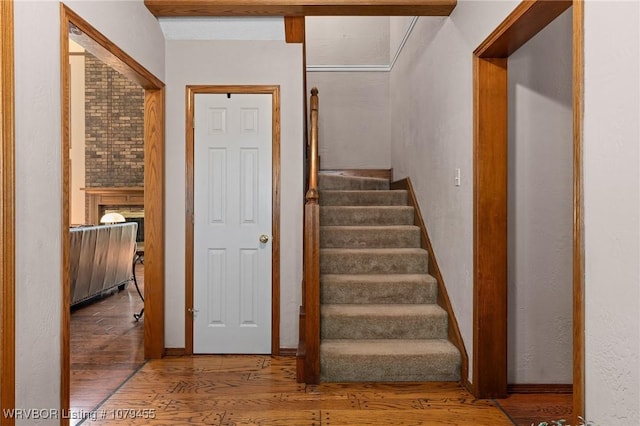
(540, 207)
(431, 100)
(39, 176)
(235, 63)
(612, 211)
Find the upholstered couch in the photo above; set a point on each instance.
(101, 258)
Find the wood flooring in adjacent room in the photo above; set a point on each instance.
(107, 350)
(107, 345)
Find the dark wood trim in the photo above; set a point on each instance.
(453, 331)
(65, 341)
(154, 187)
(174, 352)
(490, 196)
(300, 8)
(372, 173)
(526, 20)
(565, 389)
(274, 91)
(7, 213)
(288, 351)
(294, 31)
(109, 53)
(490, 228)
(578, 215)
(154, 229)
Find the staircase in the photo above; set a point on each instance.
(379, 317)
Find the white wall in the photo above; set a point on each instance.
(540, 208)
(38, 179)
(612, 211)
(342, 56)
(431, 127)
(353, 123)
(234, 63)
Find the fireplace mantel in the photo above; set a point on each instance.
(112, 196)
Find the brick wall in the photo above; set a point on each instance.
(114, 120)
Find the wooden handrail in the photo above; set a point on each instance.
(308, 356)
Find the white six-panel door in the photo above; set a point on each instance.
(232, 214)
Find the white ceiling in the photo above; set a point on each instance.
(223, 28)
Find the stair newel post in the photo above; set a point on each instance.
(309, 347)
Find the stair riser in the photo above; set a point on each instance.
(363, 198)
(372, 368)
(383, 327)
(333, 182)
(366, 263)
(369, 238)
(353, 216)
(377, 293)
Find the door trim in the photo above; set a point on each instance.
(490, 195)
(274, 91)
(154, 119)
(7, 213)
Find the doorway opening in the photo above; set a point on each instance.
(490, 195)
(152, 198)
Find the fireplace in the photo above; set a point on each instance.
(128, 201)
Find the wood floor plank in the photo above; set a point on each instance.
(107, 347)
(262, 390)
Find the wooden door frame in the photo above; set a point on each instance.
(154, 117)
(7, 213)
(490, 195)
(274, 91)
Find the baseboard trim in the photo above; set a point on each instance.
(182, 352)
(453, 332)
(174, 352)
(371, 173)
(540, 388)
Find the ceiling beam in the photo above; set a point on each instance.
(165, 8)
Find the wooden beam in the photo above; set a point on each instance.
(294, 29)
(300, 7)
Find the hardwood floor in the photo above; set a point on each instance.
(106, 345)
(107, 350)
(528, 409)
(262, 390)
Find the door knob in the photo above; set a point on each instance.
(264, 238)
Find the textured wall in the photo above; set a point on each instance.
(540, 209)
(612, 211)
(432, 134)
(38, 177)
(233, 63)
(114, 127)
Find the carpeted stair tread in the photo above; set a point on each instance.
(379, 317)
(425, 321)
(373, 261)
(366, 215)
(370, 236)
(363, 198)
(391, 360)
(378, 289)
(330, 181)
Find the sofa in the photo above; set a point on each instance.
(101, 259)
